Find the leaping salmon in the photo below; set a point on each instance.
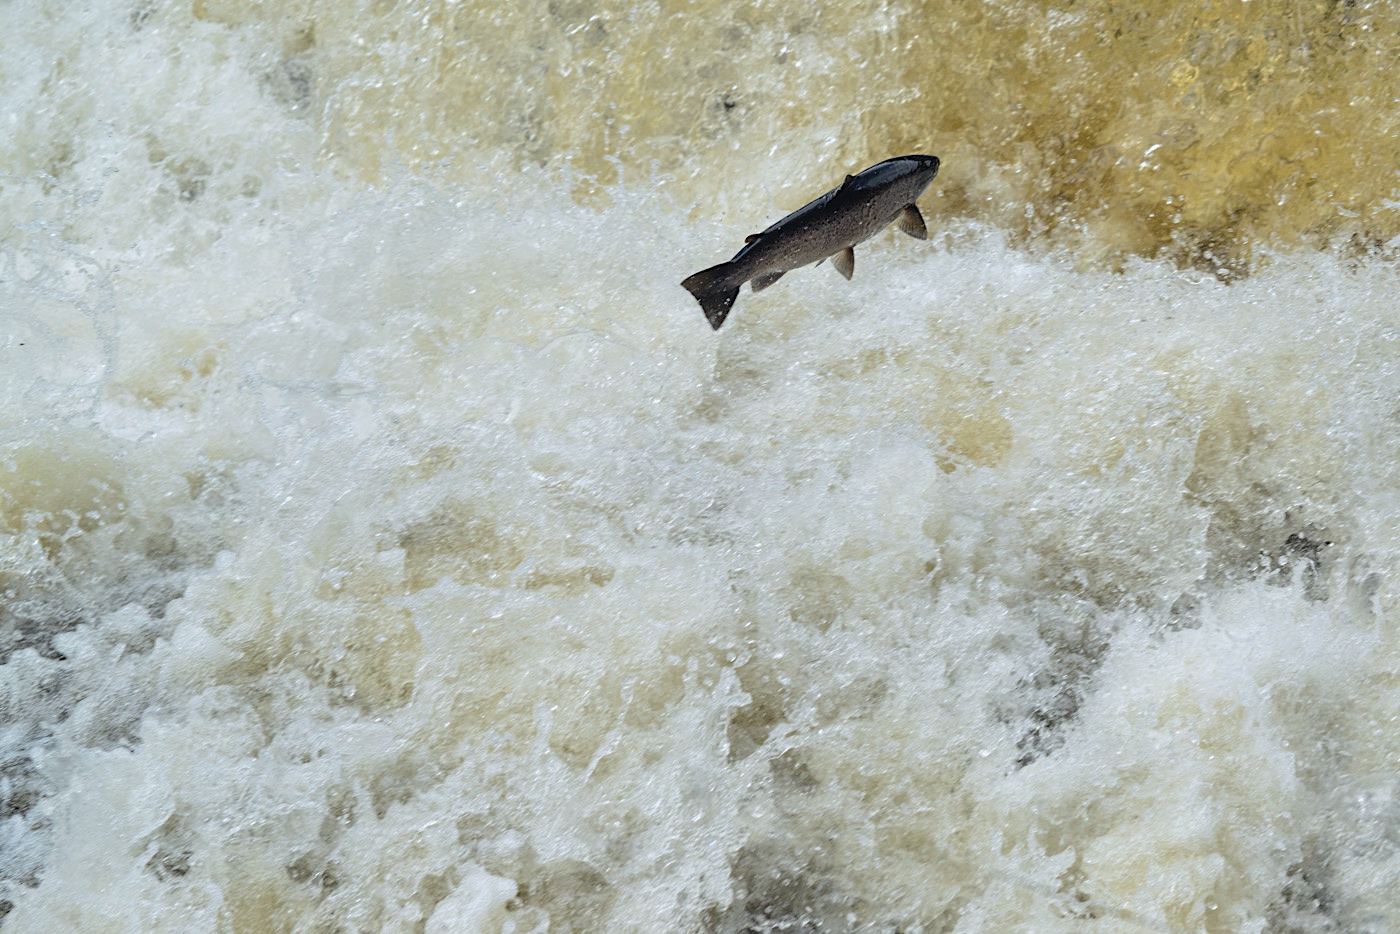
(829, 227)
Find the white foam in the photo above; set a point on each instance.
(419, 559)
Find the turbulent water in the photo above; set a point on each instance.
(390, 545)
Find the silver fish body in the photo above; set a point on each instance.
(828, 227)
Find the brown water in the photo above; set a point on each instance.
(1198, 131)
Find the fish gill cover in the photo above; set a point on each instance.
(389, 545)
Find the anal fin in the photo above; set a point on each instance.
(762, 282)
(912, 222)
(845, 262)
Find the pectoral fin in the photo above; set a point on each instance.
(764, 281)
(845, 262)
(912, 222)
(752, 237)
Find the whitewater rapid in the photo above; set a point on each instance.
(390, 545)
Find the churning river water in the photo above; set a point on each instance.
(388, 544)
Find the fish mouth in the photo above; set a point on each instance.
(927, 163)
(920, 167)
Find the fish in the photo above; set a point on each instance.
(827, 228)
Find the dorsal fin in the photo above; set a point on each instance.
(751, 238)
(849, 179)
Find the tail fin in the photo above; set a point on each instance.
(715, 291)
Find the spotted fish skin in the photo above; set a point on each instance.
(827, 228)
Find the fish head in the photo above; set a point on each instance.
(922, 170)
(901, 179)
